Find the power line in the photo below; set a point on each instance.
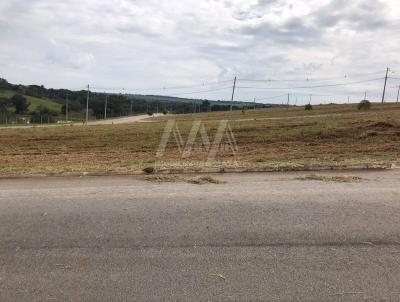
(203, 91)
(311, 79)
(165, 87)
(309, 87)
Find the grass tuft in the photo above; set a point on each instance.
(201, 180)
(204, 180)
(164, 178)
(344, 179)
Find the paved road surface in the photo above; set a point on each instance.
(123, 120)
(258, 237)
(115, 121)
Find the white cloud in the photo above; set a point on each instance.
(157, 43)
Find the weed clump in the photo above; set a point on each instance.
(204, 180)
(364, 105)
(308, 107)
(331, 178)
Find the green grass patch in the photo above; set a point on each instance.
(35, 102)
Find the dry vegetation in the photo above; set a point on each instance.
(346, 178)
(199, 180)
(279, 138)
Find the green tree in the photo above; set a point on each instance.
(205, 106)
(364, 105)
(4, 104)
(43, 114)
(20, 103)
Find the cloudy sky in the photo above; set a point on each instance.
(195, 48)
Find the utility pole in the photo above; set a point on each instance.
(365, 95)
(105, 108)
(254, 103)
(398, 93)
(384, 87)
(296, 101)
(348, 100)
(233, 92)
(66, 109)
(87, 104)
(288, 99)
(310, 99)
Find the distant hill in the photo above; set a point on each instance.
(117, 104)
(34, 101)
(160, 98)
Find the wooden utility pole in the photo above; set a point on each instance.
(384, 87)
(105, 108)
(398, 93)
(233, 93)
(365, 95)
(66, 109)
(87, 104)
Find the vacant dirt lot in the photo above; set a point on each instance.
(280, 138)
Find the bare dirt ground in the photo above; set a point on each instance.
(250, 237)
(331, 136)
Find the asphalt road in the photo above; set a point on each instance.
(258, 237)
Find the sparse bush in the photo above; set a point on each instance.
(150, 113)
(308, 107)
(364, 105)
(165, 112)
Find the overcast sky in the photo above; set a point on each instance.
(141, 45)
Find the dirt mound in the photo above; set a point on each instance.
(382, 125)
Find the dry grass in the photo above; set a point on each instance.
(164, 178)
(199, 180)
(330, 136)
(326, 178)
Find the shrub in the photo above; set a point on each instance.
(20, 103)
(308, 107)
(364, 105)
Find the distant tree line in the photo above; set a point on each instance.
(117, 104)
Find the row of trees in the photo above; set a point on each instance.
(117, 104)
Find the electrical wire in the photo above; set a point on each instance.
(203, 91)
(308, 87)
(311, 79)
(163, 88)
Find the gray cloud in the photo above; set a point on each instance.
(153, 43)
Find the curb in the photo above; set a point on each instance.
(208, 171)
